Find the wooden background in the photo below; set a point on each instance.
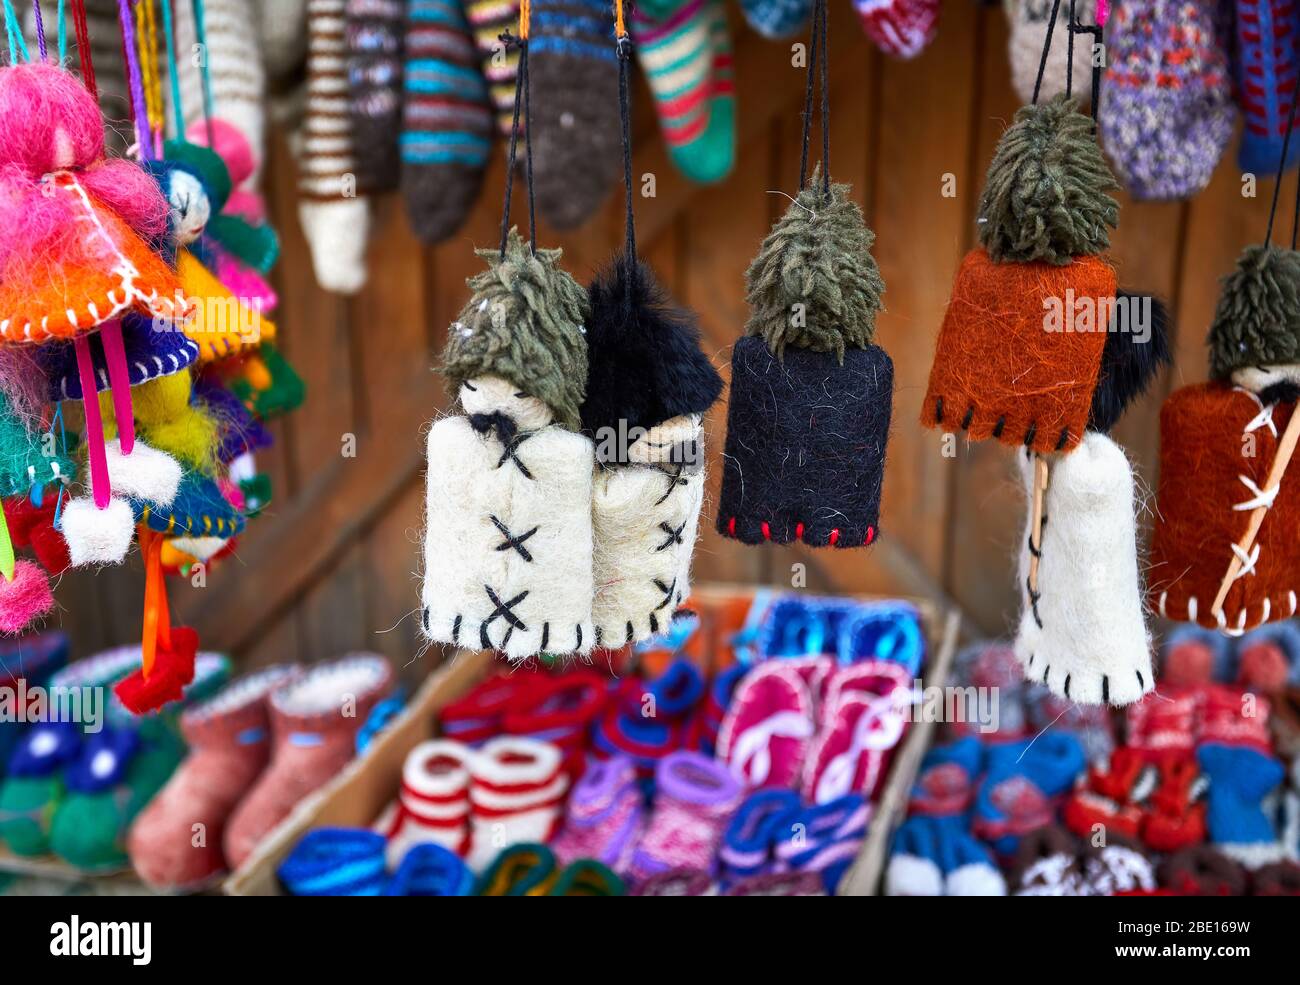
(333, 564)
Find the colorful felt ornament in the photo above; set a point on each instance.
(811, 395)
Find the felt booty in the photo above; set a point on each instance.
(335, 862)
(766, 733)
(604, 815)
(649, 486)
(694, 798)
(1082, 631)
(1240, 778)
(433, 802)
(517, 791)
(430, 870)
(527, 869)
(175, 844)
(1047, 864)
(901, 28)
(314, 722)
(508, 543)
(807, 373)
(1028, 21)
(560, 709)
(751, 836)
(374, 71)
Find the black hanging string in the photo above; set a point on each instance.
(818, 59)
(624, 46)
(1277, 187)
(1094, 31)
(521, 102)
(1047, 47)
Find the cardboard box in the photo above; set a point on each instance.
(358, 795)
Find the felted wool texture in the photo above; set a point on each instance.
(146, 474)
(223, 325)
(1128, 363)
(489, 19)
(775, 18)
(479, 592)
(524, 323)
(644, 521)
(169, 420)
(335, 215)
(1083, 634)
(1257, 318)
(998, 372)
(1266, 70)
(24, 462)
(433, 803)
(148, 354)
(1204, 430)
(374, 38)
(1028, 20)
(901, 28)
(574, 135)
(96, 536)
(1166, 111)
(1046, 194)
(814, 284)
(805, 451)
(446, 119)
(24, 598)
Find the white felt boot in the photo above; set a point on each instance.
(96, 536)
(1084, 635)
(146, 474)
(644, 521)
(508, 543)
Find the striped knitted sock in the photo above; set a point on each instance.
(335, 219)
(687, 59)
(374, 38)
(901, 28)
(573, 68)
(488, 19)
(776, 18)
(1267, 72)
(446, 122)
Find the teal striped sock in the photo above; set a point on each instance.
(446, 120)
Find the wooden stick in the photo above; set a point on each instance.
(1282, 458)
(1036, 521)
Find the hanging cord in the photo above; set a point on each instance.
(1277, 186)
(1074, 27)
(63, 32)
(136, 81)
(205, 69)
(40, 29)
(173, 72)
(14, 31)
(83, 47)
(818, 61)
(623, 43)
(146, 32)
(521, 99)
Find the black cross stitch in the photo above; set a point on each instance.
(511, 541)
(503, 609)
(510, 448)
(668, 592)
(674, 536)
(674, 480)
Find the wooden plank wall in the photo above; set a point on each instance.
(334, 564)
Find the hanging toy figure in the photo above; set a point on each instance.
(648, 386)
(811, 396)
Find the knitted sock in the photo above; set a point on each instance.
(687, 60)
(1166, 111)
(1267, 74)
(1047, 864)
(901, 28)
(374, 40)
(573, 68)
(1028, 20)
(776, 18)
(446, 121)
(750, 838)
(332, 208)
(694, 797)
(489, 19)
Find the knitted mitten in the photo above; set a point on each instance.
(776, 18)
(694, 797)
(175, 844)
(314, 722)
(901, 28)
(489, 19)
(1166, 111)
(446, 119)
(374, 39)
(1028, 20)
(332, 208)
(1267, 74)
(686, 56)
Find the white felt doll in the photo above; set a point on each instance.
(508, 543)
(648, 386)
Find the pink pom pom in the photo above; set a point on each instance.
(48, 121)
(230, 144)
(24, 599)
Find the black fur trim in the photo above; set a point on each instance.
(1128, 365)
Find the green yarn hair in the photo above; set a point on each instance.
(1045, 197)
(814, 284)
(23, 463)
(524, 323)
(1257, 319)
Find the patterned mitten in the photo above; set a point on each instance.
(488, 20)
(1028, 20)
(1267, 73)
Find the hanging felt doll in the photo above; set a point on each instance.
(648, 387)
(811, 395)
(508, 544)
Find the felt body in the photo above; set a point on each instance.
(1214, 439)
(542, 582)
(805, 452)
(1083, 634)
(1001, 371)
(644, 523)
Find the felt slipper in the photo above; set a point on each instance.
(604, 816)
(683, 881)
(1165, 724)
(477, 716)
(778, 884)
(1175, 810)
(751, 836)
(883, 631)
(335, 862)
(913, 868)
(525, 869)
(1022, 779)
(1047, 864)
(1202, 870)
(798, 626)
(623, 729)
(587, 877)
(694, 797)
(676, 691)
(713, 710)
(1240, 777)
(862, 720)
(559, 709)
(1119, 866)
(831, 836)
(433, 802)
(516, 794)
(429, 869)
(1112, 799)
(765, 735)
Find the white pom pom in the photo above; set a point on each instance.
(146, 474)
(96, 536)
(976, 879)
(913, 875)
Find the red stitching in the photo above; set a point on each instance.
(798, 530)
(871, 535)
(767, 531)
(731, 527)
(835, 536)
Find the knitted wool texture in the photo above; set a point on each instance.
(1166, 104)
(1266, 66)
(1257, 319)
(524, 322)
(901, 28)
(999, 373)
(1082, 633)
(1045, 196)
(489, 19)
(374, 38)
(1028, 20)
(814, 284)
(1203, 431)
(575, 138)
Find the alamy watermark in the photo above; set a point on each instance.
(1131, 314)
(32, 704)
